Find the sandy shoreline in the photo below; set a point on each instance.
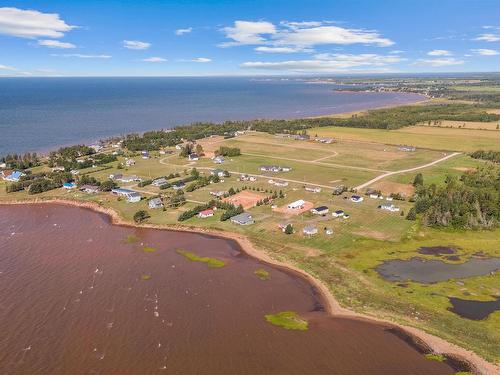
(425, 100)
(417, 336)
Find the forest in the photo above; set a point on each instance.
(469, 202)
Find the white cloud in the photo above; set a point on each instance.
(32, 24)
(201, 60)
(445, 61)
(396, 52)
(485, 52)
(154, 59)
(55, 44)
(488, 37)
(301, 24)
(439, 52)
(326, 62)
(82, 56)
(5, 67)
(308, 37)
(299, 35)
(282, 49)
(247, 32)
(183, 31)
(135, 44)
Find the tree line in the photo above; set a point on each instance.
(391, 118)
(469, 202)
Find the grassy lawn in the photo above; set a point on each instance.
(437, 173)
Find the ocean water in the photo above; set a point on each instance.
(39, 114)
(74, 300)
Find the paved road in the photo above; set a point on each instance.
(368, 183)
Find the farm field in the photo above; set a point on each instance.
(465, 140)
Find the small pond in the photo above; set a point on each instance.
(475, 310)
(431, 271)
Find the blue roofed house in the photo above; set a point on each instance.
(69, 185)
(14, 176)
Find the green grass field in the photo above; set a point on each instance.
(419, 136)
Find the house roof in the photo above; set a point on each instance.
(156, 200)
(123, 191)
(242, 218)
(207, 212)
(299, 202)
(321, 208)
(89, 187)
(310, 229)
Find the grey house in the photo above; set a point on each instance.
(242, 219)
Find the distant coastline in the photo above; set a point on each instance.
(40, 115)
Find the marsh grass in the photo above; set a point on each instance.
(210, 262)
(435, 357)
(148, 249)
(288, 320)
(262, 274)
(146, 277)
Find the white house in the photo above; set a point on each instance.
(321, 210)
(297, 205)
(310, 230)
(131, 178)
(219, 159)
(90, 189)
(313, 189)
(356, 199)
(390, 208)
(245, 177)
(206, 213)
(131, 195)
(155, 203)
(159, 181)
(338, 213)
(193, 157)
(242, 219)
(218, 172)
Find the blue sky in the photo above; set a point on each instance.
(222, 37)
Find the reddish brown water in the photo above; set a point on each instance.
(72, 301)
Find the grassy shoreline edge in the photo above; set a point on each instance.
(418, 337)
